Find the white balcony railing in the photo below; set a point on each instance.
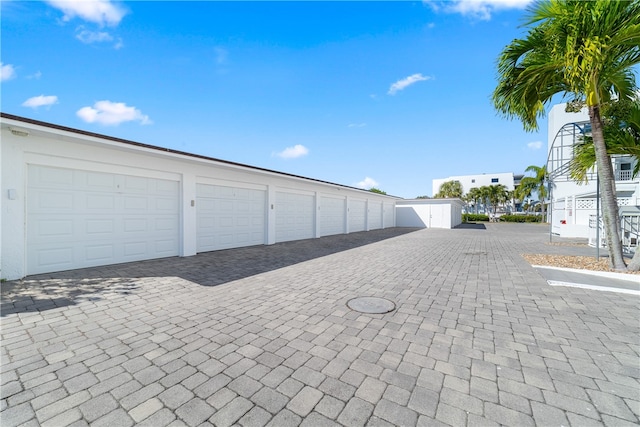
(626, 175)
(588, 204)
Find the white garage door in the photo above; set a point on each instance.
(229, 217)
(375, 215)
(389, 215)
(79, 219)
(295, 218)
(357, 215)
(331, 216)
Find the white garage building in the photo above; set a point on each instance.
(74, 199)
(429, 213)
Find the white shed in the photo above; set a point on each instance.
(429, 213)
(74, 199)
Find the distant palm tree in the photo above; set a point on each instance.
(475, 195)
(534, 184)
(497, 194)
(585, 49)
(450, 189)
(485, 192)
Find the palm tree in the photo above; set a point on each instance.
(475, 196)
(586, 49)
(536, 183)
(622, 133)
(485, 192)
(497, 194)
(622, 137)
(450, 189)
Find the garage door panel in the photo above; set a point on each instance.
(79, 226)
(229, 217)
(225, 222)
(227, 206)
(163, 204)
(52, 177)
(99, 227)
(52, 258)
(102, 202)
(136, 183)
(134, 249)
(168, 188)
(132, 225)
(95, 253)
(57, 201)
(135, 204)
(166, 224)
(55, 228)
(100, 180)
(165, 246)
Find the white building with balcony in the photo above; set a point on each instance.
(573, 211)
(508, 179)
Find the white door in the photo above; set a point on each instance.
(357, 215)
(79, 218)
(389, 215)
(437, 216)
(375, 215)
(295, 219)
(332, 215)
(229, 217)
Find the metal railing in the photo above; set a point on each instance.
(630, 226)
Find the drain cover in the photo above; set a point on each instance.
(371, 305)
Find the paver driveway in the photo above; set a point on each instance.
(262, 335)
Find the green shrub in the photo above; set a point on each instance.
(521, 218)
(474, 217)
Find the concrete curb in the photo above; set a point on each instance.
(620, 276)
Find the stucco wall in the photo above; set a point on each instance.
(429, 213)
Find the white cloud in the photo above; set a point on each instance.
(88, 36)
(40, 101)
(478, 9)
(221, 55)
(406, 82)
(367, 183)
(35, 75)
(101, 12)
(7, 72)
(112, 113)
(535, 145)
(356, 125)
(293, 152)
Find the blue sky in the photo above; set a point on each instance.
(389, 94)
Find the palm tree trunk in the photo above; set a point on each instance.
(634, 265)
(607, 192)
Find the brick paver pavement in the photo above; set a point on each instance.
(262, 336)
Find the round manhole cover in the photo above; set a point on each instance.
(371, 305)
